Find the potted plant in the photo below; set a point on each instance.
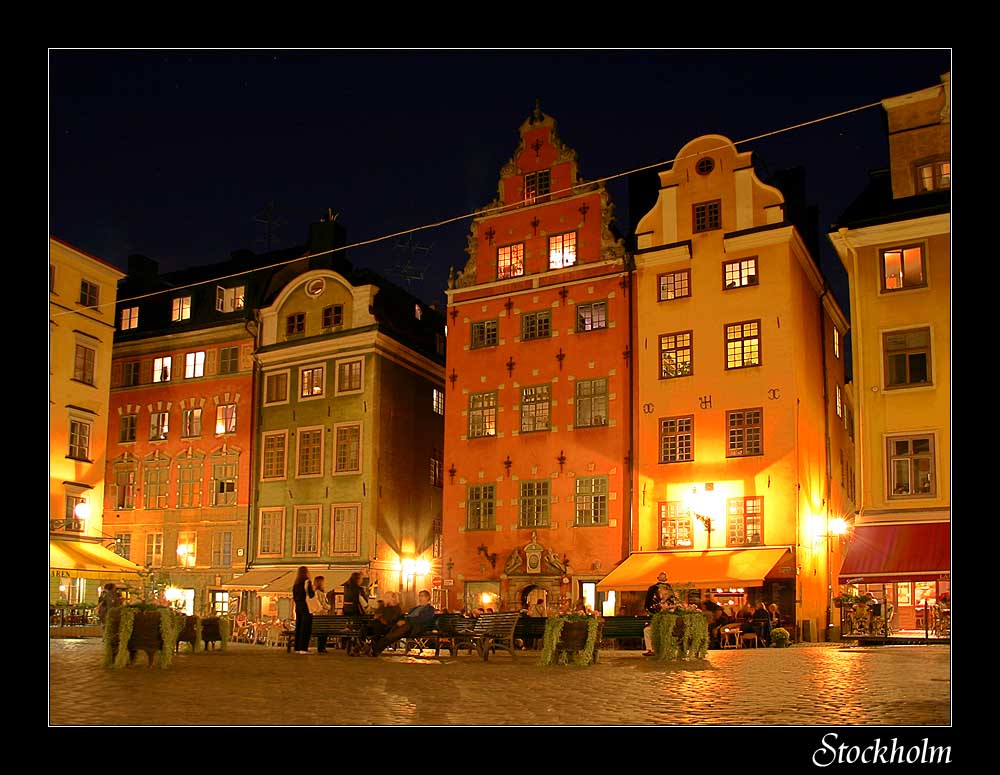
(780, 637)
(570, 638)
(680, 632)
(141, 627)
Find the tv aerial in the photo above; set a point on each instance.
(407, 267)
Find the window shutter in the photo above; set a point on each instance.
(245, 361)
(116, 374)
(146, 372)
(211, 361)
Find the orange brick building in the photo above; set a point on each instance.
(536, 501)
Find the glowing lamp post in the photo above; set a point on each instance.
(703, 505)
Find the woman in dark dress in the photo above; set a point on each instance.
(301, 591)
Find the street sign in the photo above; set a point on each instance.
(436, 581)
(449, 582)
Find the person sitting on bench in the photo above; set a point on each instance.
(418, 619)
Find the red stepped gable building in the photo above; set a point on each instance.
(536, 501)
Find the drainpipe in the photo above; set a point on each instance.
(254, 423)
(829, 463)
(632, 451)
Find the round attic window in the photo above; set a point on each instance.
(315, 287)
(705, 166)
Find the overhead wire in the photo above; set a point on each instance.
(480, 213)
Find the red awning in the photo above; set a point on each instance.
(914, 552)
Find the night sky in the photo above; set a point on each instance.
(177, 154)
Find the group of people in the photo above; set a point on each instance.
(389, 623)
(759, 619)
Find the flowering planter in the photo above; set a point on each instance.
(129, 631)
(680, 635)
(570, 640)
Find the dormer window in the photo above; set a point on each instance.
(229, 299)
(537, 185)
(933, 176)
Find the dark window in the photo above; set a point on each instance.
(708, 216)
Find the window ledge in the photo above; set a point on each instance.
(79, 459)
(82, 382)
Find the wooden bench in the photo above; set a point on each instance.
(446, 630)
(355, 629)
(530, 629)
(489, 632)
(209, 632)
(622, 627)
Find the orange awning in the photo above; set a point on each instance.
(886, 553)
(77, 559)
(702, 570)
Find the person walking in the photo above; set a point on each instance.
(301, 592)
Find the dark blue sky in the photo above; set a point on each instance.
(173, 154)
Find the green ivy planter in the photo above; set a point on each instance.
(129, 630)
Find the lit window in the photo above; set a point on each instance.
(194, 365)
(903, 268)
(180, 309)
(675, 525)
(187, 548)
(562, 250)
(743, 344)
(591, 317)
(191, 423)
(535, 408)
(437, 398)
(911, 466)
(840, 405)
(745, 521)
(159, 426)
(225, 419)
(675, 285)
(708, 216)
(836, 342)
(738, 274)
(591, 501)
(311, 382)
(224, 472)
(510, 261)
(130, 318)
(161, 369)
(907, 358)
(676, 354)
(482, 415)
(933, 176)
(229, 299)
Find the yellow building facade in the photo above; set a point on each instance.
(895, 243)
(82, 293)
(739, 395)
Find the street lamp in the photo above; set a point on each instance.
(702, 505)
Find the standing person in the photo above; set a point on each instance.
(301, 592)
(418, 619)
(353, 592)
(319, 607)
(110, 598)
(653, 604)
(662, 601)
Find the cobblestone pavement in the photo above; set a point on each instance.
(256, 685)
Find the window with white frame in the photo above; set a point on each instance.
(225, 419)
(312, 382)
(345, 529)
(591, 317)
(306, 530)
(159, 426)
(675, 285)
(154, 550)
(533, 504)
(127, 428)
(229, 360)
(90, 293)
(310, 452)
(907, 358)
(739, 273)
(191, 423)
(482, 415)
(190, 474)
(273, 464)
(222, 549)
(591, 501)
(347, 457)
(180, 309)
(480, 507)
(510, 261)
(911, 466)
(677, 439)
(123, 545)
(130, 318)
(675, 525)
(535, 408)
(79, 439)
(349, 376)
(676, 354)
(933, 176)
(437, 401)
(903, 268)
(840, 405)
(746, 432)
(836, 342)
(156, 483)
(591, 402)
(83, 364)
(562, 250)
(194, 365)
(229, 299)
(71, 521)
(123, 495)
(272, 529)
(161, 368)
(225, 469)
(745, 521)
(276, 388)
